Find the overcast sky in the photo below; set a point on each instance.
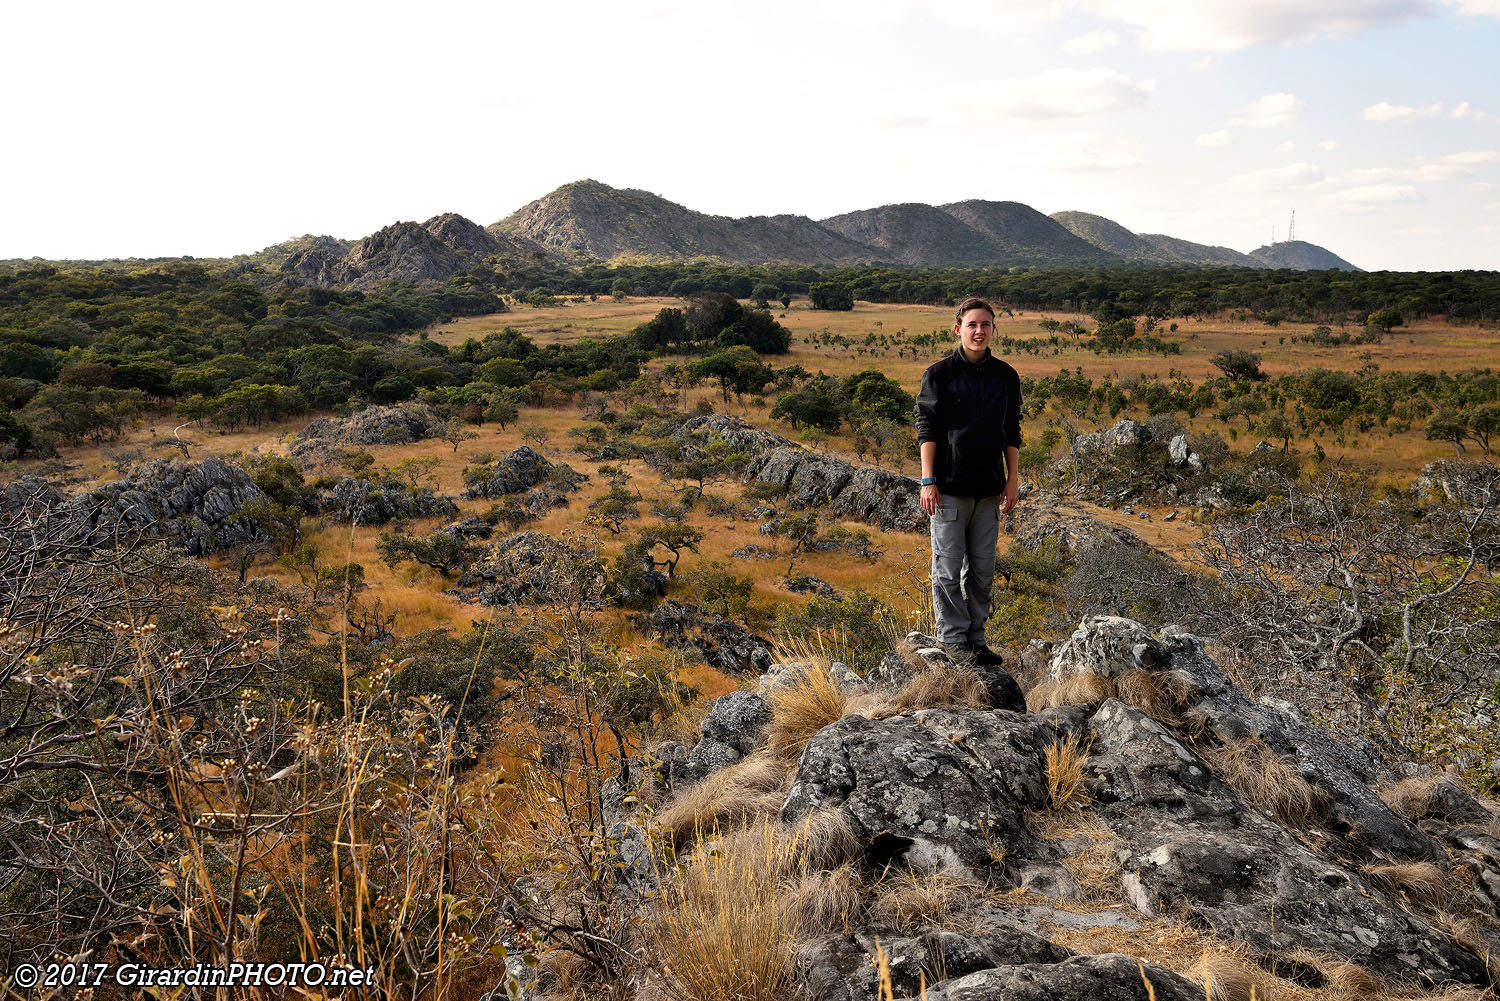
(156, 129)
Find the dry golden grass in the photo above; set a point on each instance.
(726, 922)
(1342, 978)
(1087, 850)
(1467, 930)
(908, 899)
(1229, 975)
(949, 685)
(1423, 883)
(811, 701)
(829, 900)
(1268, 781)
(1065, 758)
(730, 797)
(1078, 690)
(825, 839)
(1410, 797)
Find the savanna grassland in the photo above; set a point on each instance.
(306, 744)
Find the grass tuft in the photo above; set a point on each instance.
(726, 799)
(1410, 797)
(1268, 781)
(1065, 759)
(727, 923)
(949, 685)
(910, 899)
(1080, 689)
(1423, 883)
(1227, 975)
(1342, 978)
(810, 702)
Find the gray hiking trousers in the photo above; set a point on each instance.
(964, 533)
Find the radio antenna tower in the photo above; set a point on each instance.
(1291, 228)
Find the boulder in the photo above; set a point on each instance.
(1107, 977)
(843, 967)
(941, 789)
(196, 506)
(725, 644)
(1177, 450)
(366, 502)
(1472, 484)
(1189, 844)
(518, 470)
(371, 426)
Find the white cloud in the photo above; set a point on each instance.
(1329, 145)
(1276, 178)
(1287, 147)
(1094, 41)
(1270, 111)
(1369, 197)
(1427, 169)
(1477, 186)
(1065, 93)
(1384, 112)
(1208, 26)
(1214, 139)
(1476, 8)
(1466, 111)
(1493, 207)
(1201, 64)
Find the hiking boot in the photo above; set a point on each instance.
(959, 653)
(984, 656)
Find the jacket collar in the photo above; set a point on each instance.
(958, 353)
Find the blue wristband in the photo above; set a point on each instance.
(928, 481)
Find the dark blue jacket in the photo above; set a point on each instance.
(973, 411)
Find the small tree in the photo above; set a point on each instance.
(454, 433)
(446, 552)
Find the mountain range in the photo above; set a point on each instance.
(590, 221)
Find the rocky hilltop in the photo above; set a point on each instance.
(1146, 830)
(591, 221)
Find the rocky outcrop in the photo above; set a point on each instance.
(197, 506)
(29, 495)
(1295, 852)
(519, 470)
(528, 568)
(366, 502)
(724, 644)
(814, 479)
(1472, 484)
(317, 260)
(371, 426)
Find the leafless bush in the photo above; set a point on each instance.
(1365, 608)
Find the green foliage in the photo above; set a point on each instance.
(874, 394)
(857, 630)
(717, 588)
(831, 296)
(444, 551)
(1238, 364)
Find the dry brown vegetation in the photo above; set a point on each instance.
(1268, 781)
(1065, 759)
(728, 798)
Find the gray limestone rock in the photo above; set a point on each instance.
(943, 789)
(1107, 977)
(366, 502)
(197, 506)
(724, 644)
(1178, 450)
(1190, 844)
(371, 426)
(518, 470)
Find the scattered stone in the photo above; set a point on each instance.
(753, 552)
(725, 645)
(804, 583)
(1473, 484)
